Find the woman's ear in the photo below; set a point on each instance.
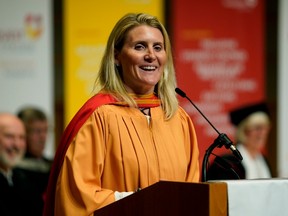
(116, 57)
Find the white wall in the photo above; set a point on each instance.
(26, 69)
(283, 90)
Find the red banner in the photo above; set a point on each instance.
(219, 59)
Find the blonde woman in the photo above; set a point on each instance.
(252, 124)
(132, 133)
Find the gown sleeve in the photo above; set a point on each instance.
(79, 190)
(192, 150)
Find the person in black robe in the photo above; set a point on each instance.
(17, 193)
(252, 124)
(34, 163)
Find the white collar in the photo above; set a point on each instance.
(8, 175)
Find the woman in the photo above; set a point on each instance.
(252, 124)
(132, 133)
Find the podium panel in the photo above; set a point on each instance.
(257, 197)
(172, 199)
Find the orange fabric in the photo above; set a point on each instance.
(69, 133)
(143, 101)
(117, 150)
(72, 129)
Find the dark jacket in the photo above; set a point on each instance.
(20, 198)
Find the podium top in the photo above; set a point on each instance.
(172, 198)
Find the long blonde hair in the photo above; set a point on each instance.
(109, 79)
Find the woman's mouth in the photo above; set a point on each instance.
(148, 68)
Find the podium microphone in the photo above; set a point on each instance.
(228, 143)
(219, 142)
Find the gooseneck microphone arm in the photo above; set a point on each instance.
(221, 140)
(183, 94)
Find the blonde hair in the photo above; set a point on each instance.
(109, 77)
(253, 119)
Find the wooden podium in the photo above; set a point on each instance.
(172, 198)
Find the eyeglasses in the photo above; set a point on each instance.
(38, 130)
(258, 128)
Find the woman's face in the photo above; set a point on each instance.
(256, 136)
(142, 59)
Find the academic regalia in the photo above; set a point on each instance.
(37, 170)
(17, 195)
(230, 167)
(116, 149)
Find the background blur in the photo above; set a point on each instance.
(227, 53)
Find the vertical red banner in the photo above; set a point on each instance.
(219, 59)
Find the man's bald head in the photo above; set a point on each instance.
(12, 140)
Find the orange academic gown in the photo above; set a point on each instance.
(117, 150)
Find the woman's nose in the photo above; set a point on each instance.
(150, 55)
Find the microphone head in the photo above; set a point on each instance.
(180, 92)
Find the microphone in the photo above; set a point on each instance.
(224, 140)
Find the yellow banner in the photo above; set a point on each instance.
(87, 25)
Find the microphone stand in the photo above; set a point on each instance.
(221, 140)
(225, 165)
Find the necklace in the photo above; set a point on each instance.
(145, 111)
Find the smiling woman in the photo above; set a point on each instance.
(110, 149)
(142, 59)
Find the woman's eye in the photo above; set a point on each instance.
(158, 48)
(139, 47)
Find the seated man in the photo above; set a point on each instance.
(17, 194)
(34, 163)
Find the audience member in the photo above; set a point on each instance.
(17, 194)
(34, 163)
(252, 124)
